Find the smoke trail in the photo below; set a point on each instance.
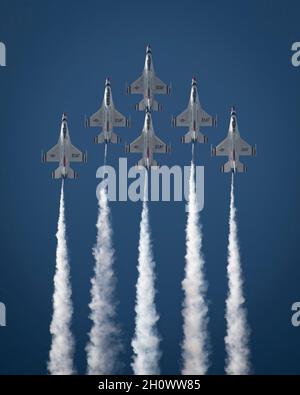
(105, 154)
(195, 310)
(104, 346)
(62, 347)
(236, 340)
(145, 343)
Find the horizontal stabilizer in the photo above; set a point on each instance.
(114, 138)
(59, 173)
(142, 163)
(141, 106)
(226, 168)
(238, 168)
(191, 136)
(107, 138)
(155, 106)
(56, 173)
(241, 168)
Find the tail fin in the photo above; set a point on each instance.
(189, 137)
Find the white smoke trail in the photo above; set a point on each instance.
(237, 338)
(62, 347)
(146, 340)
(195, 310)
(104, 346)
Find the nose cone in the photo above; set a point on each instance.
(194, 81)
(107, 82)
(233, 121)
(64, 117)
(148, 49)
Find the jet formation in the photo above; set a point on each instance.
(194, 117)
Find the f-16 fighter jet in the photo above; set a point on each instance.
(64, 152)
(106, 118)
(194, 117)
(148, 84)
(148, 144)
(233, 147)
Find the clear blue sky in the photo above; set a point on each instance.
(58, 55)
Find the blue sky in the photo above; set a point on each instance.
(58, 55)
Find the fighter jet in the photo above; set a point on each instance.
(233, 147)
(148, 84)
(106, 118)
(148, 144)
(64, 152)
(194, 117)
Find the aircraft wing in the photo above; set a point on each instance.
(223, 148)
(119, 119)
(244, 148)
(53, 155)
(183, 119)
(76, 155)
(159, 87)
(159, 146)
(137, 145)
(96, 119)
(205, 119)
(137, 86)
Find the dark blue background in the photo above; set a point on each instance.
(58, 55)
